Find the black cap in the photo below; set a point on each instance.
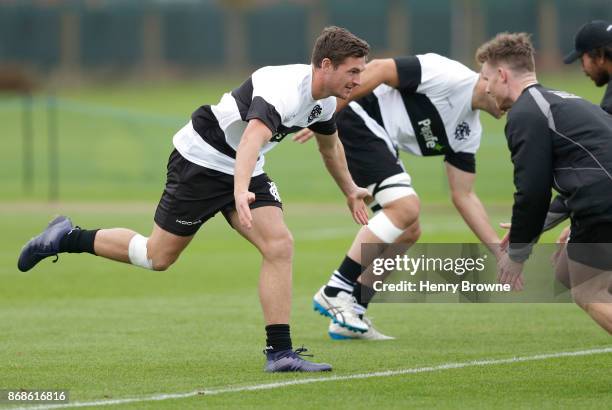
(592, 35)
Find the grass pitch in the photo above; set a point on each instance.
(108, 331)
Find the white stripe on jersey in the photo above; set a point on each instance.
(287, 90)
(373, 126)
(193, 148)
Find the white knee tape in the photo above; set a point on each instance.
(392, 188)
(383, 228)
(137, 252)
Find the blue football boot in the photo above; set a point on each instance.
(44, 245)
(290, 361)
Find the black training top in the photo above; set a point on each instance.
(606, 103)
(560, 141)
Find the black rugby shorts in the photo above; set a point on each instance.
(194, 194)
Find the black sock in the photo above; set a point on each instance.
(348, 272)
(278, 337)
(78, 240)
(363, 294)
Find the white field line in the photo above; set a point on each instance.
(269, 386)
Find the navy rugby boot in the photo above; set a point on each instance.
(290, 361)
(44, 245)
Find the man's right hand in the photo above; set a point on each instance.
(357, 204)
(243, 200)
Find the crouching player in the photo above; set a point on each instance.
(426, 105)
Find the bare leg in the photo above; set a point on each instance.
(402, 212)
(402, 244)
(163, 247)
(272, 238)
(560, 263)
(592, 291)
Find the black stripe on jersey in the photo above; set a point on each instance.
(283, 131)
(264, 112)
(428, 125)
(243, 96)
(257, 107)
(206, 125)
(369, 158)
(370, 105)
(408, 72)
(325, 127)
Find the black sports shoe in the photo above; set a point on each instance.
(290, 361)
(44, 245)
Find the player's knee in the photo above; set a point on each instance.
(138, 253)
(582, 297)
(141, 254)
(384, 228)
(410, 235)
(403, 212)
(279, 247)
(415, 232)
(163, 262)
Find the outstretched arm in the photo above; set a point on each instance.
(377, 72)
(469, 206)
(332, 152)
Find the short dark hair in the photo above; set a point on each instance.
(514, 49)
(337, 43)
(605, 52)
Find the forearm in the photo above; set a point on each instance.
(475, 216)
(246, 158)
(528, 215)
(246, 155)
(335, 162)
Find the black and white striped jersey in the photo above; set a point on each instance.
(279, 96)
(434, 98)
(560, 141)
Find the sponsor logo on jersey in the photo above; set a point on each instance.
(431, 141)
(316, 112)
(462, 131)
(274, 191)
